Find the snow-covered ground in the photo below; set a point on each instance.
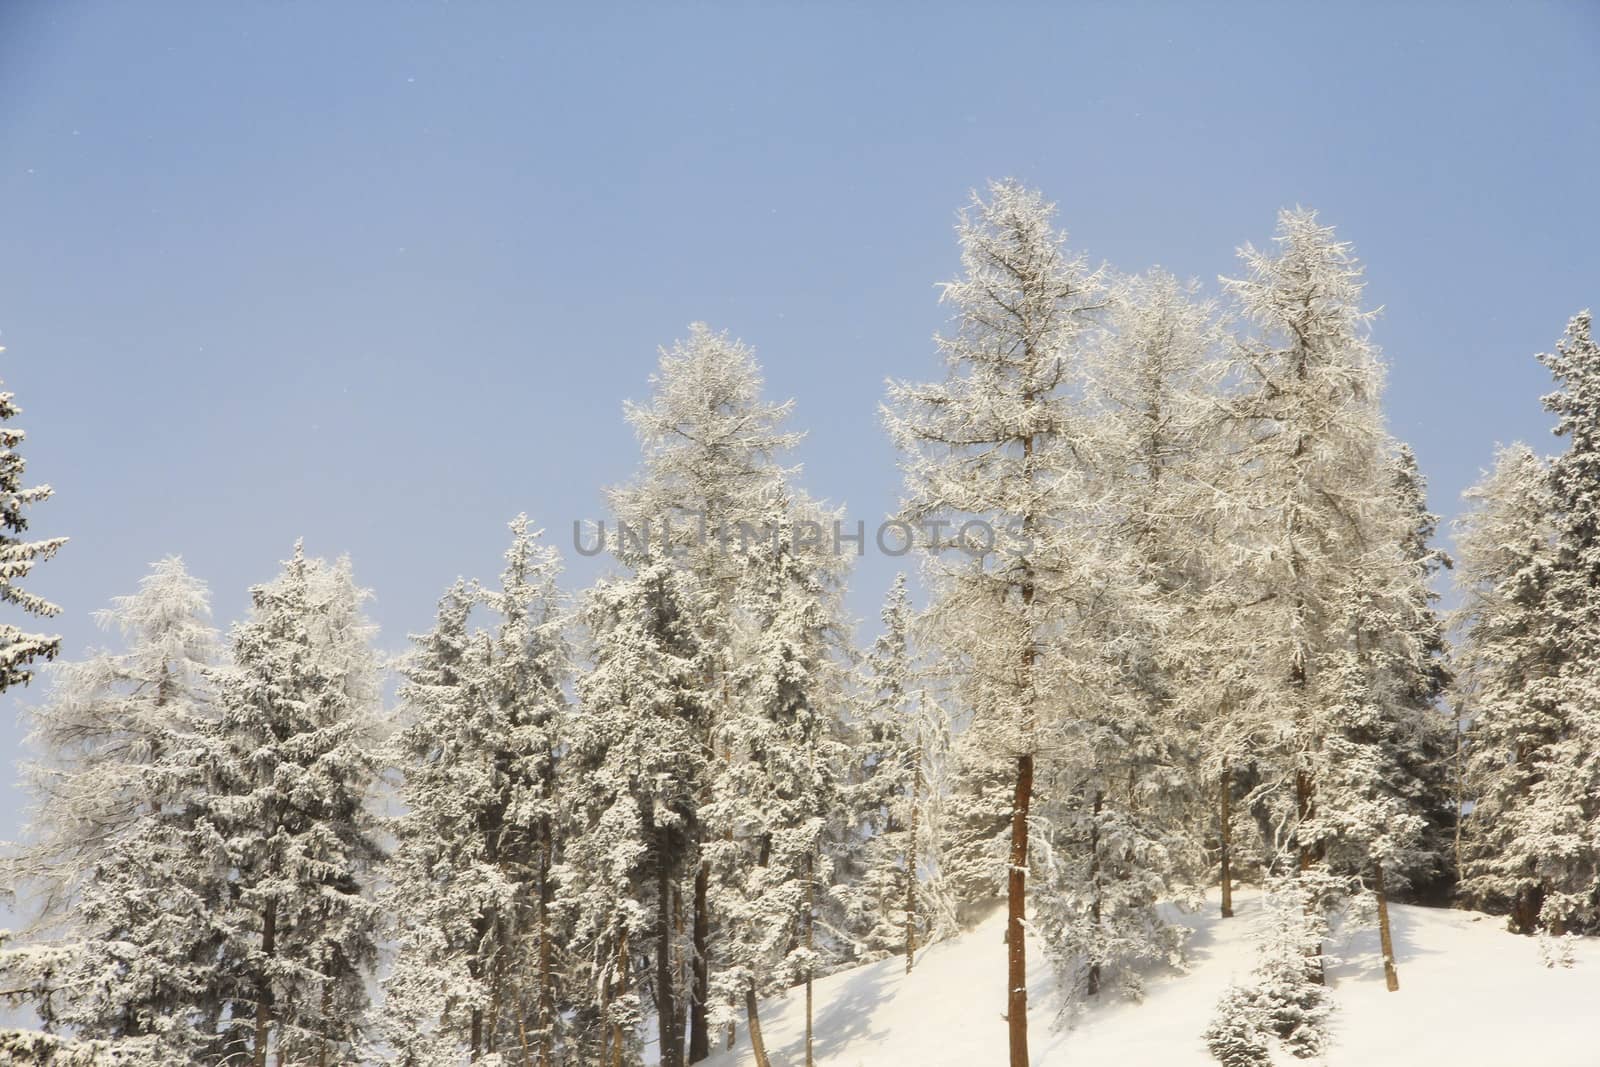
(1470, 994)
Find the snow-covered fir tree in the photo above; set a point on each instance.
(297, 737)
(1125, 782)
(1313, 520)
(480, 947)
(779, 789)
(1571, 797)
(636, 775)
(528, 667)
(886, 794)
(434, 997)
(713, 488)
(998, 443)
(1284, 1003)
(130, 882)
(18, 556)
(1508, 662)
(1531, 568)
(1421, 683)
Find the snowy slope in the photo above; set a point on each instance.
(1470, 994)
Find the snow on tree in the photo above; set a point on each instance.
(1423, 679)
(18, 649)
(1532, 629)
(438, 879)
(1308, 447)
(528, 667)
(890, 792)
(1572, 789)
(635, 776)
(473, 893)
(1284, 1002)
(1508, 665)
(712, 490)
(997, 444)
(297, 740)
(129, 880)
(1124, 784)
(780, 786)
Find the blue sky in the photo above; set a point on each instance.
(381, 274)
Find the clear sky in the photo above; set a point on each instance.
(381, 274)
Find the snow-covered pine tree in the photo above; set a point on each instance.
(1125, 784)
(635, 776)
(1309, 495)
(1570, 797)
(1532, 628)
(781, 784)
(997, 443)
(1380, 765)
(889, 793)
(296, 761)
(130, 881)
(473, 892)
(524, 679)
(438, 877)
(1424, 677)
(19, 650)
(1284, 1002)
(1508, 664)
(713, 454)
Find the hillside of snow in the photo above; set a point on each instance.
(1470, 994)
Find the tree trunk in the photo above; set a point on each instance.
(810, 921)
(622, 991)
(911, 861)
(681, 978)
(1391, 977)
(1525, 910)
(269, 949)
(327, 1004)
(1225, 821)
(666, 1015)
(1302, 796)
(911, 886)
(700, 993)
(758, 1047)
(497, 976)
(1093, 982)
(1016, 915)
(546, 992)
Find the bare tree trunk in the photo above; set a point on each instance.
(666, 1015)
(911, 887)
(810, 921)
(622, 991)
(700, 991)
(1391, 977)
(1302, 795)
(1093, 982)
(1225, 821)
(547, 1013)
(269, 949)
(1016, 915)
(681, 977)
(322, 1037)
(1461, 788)
(758, 1047)
(522, 1017)
(911, 850)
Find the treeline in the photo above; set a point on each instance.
(1180, 632)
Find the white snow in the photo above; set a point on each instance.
(1470, 994)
